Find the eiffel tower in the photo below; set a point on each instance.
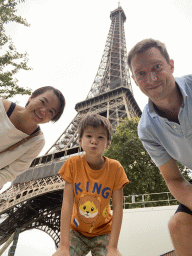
(34, 200)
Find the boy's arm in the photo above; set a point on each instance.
(117, 201)
(66, 213)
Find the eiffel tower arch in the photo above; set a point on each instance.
(34, 200)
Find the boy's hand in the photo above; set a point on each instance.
(113, 252)
(62, 251)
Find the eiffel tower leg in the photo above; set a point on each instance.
(127, 110)
(6, 244)
(15, 240)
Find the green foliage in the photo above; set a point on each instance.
(10, 60)
(142, 173)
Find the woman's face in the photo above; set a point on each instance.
(43, 107)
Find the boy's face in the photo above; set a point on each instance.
(94, 140)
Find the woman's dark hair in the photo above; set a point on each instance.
(59, 95)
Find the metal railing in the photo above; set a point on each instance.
(148, 200)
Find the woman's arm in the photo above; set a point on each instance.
(14, 163)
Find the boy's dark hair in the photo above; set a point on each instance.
(95, 120)
(143, 46)
(59, 95)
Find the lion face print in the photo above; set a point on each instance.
(89, 208)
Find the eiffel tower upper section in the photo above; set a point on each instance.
(113, 70)
(112, 75)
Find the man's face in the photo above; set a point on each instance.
(153, 74)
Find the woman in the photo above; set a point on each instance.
(17, 123)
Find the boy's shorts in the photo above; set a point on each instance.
(183, 208)
(81, 245)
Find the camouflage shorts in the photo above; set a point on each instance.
(81, 245)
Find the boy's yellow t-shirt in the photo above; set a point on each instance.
(92, 192)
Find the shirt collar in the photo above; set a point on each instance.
(151, 108)
(181, 84)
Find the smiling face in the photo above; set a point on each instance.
(43, 107)
(153, 74)
(94, 140)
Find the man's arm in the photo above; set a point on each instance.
(66, 213)
(177, 185)
(116, 222)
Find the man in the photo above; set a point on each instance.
(165, 129)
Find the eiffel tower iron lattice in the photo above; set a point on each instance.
(34, 200)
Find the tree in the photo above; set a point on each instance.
(142, 173)
(10, 60)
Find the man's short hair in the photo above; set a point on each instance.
(95, 120)
(144, 45)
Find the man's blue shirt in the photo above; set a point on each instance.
(164, 139)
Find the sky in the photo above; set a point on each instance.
(65, 43)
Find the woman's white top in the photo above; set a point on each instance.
(15, 162)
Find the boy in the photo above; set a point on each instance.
(90, 180)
